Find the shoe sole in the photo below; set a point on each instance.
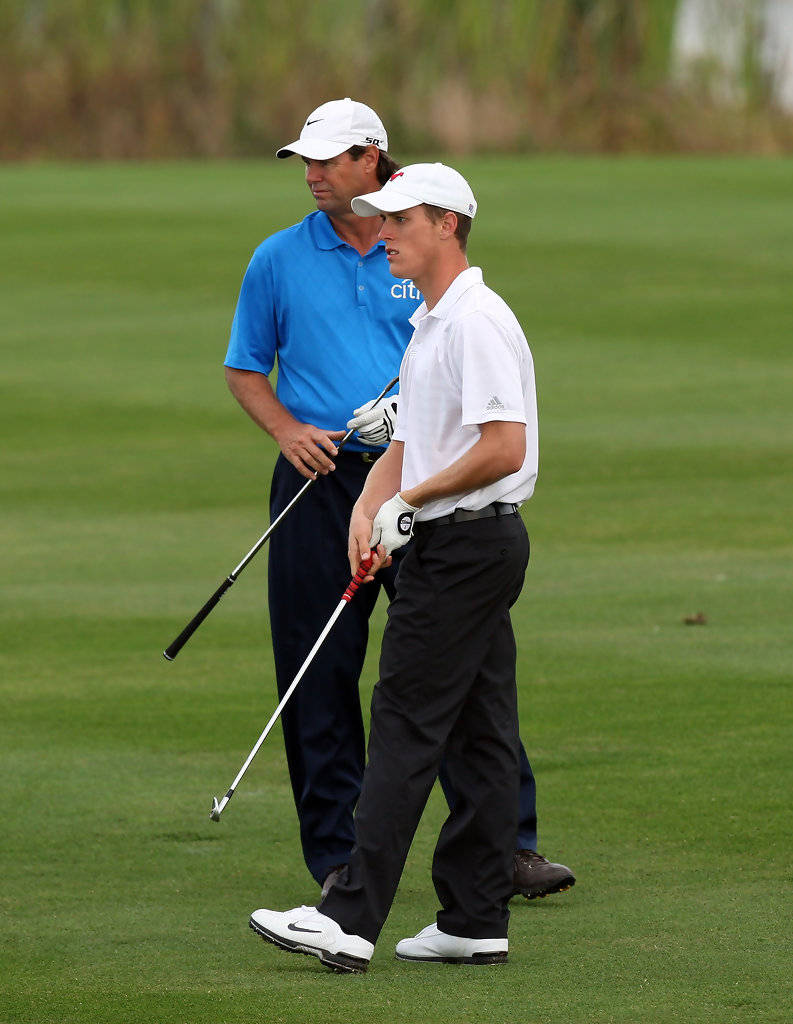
(563, 886)
(478, 959)
(341, 963)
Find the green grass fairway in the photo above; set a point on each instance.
(658, 299)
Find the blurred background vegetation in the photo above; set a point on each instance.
(168, 78)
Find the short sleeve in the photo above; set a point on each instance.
(493, 371)
(254, 333)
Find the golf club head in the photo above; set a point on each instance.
(214, 814)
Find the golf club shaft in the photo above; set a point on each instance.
(352, 586)
(170, 652)
(173, 649)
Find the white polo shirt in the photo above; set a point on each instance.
(467, 363)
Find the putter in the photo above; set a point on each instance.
(352, 586)
(173, 649)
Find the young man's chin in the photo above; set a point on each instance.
(398, 267)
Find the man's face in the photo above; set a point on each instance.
(335, 182)
(412, 242)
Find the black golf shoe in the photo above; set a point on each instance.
(535, 877)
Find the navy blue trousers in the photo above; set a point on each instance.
(322, 723)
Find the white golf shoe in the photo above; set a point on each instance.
(305, 930)
(434, 946)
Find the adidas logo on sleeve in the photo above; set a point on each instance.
(495, 405)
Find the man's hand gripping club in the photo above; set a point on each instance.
(391, 528)
(382, 520)
(375, 421)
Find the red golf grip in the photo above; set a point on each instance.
(358, 578)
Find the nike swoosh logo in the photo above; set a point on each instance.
(311, 931)
(314, 121)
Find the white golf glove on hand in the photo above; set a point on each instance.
(393, 524)
(375, 421)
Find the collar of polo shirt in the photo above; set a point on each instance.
(467, 279)
(325, 236)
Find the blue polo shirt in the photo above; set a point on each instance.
(337, 322)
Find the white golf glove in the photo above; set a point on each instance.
(375, 421)
(393, 524)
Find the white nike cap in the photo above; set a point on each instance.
(434, 184)
(336, 126)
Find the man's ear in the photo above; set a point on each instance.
(448, 224)
(371, 158)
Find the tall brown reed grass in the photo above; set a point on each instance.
(141, 78)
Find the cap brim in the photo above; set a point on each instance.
(314, 149)
(386, 201)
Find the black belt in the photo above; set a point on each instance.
(465, 515)
(345, 453)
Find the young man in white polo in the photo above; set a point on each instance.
(462, 459)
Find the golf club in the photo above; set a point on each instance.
(173, 649)
(352, 586)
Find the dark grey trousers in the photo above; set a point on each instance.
(447, 686)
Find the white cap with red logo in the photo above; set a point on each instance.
(336, 126)
(433, 184)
